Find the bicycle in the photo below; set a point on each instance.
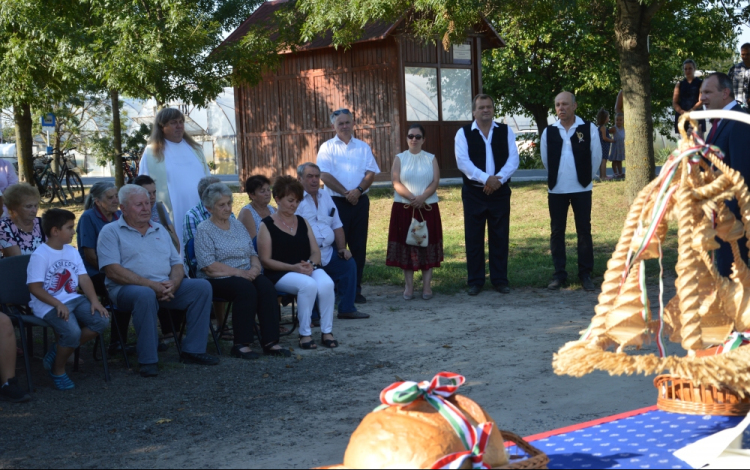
(130, 167)
(47, 182)
(72, 179)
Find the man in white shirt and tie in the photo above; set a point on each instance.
(348, 168)
(487, 155)
(571, 153)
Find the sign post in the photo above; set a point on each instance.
(48, 125)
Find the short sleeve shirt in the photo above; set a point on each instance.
(58, 271)
(232, 247)
(348, 163)
(11, 235)
(90, 224)
(151, 255)
(323, 220)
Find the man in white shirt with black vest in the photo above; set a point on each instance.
(487, 155)
(571, 152)
(348, 168)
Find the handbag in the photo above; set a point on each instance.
(418, 234)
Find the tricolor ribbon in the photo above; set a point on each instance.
(435, 392)
(734, 341)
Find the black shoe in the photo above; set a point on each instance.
(360, 299)
(475, 290)
(116, 348)
(555, 284)
(243, 355)
(278, 352)
(13, 393)
(503, 289)
(202, 359)
(148, 370)
(587, 284)
(356, 315)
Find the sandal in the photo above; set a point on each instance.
(309, 345)
(236, 352)
(329, 343)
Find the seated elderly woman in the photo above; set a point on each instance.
(227, 259)
(290, 255)
(21, 232)
(258, 189)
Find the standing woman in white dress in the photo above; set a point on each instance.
(416, 176)
(176, 162)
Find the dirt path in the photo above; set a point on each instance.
(299, 412)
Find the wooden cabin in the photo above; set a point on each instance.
(387, 79)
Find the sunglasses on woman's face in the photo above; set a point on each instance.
(414, 137)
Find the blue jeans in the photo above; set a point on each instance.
(194, 295)
(344, 275)
(69, 331)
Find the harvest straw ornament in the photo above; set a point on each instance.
(709, 309)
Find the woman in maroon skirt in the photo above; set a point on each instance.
(415, 177)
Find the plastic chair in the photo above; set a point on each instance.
(14, 298)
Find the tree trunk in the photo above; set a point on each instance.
(24, 142)
(632, 27)
(117, 137)
(540, 113)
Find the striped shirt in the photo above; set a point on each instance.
(740, 75)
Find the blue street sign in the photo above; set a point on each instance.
(48, 120)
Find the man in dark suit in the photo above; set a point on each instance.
(733, 138)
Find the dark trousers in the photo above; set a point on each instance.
(492, 211)
(724, 255)
(122, 318)
(356, 220)
(248, 300)
(558, 213)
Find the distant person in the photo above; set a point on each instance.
(348, 169)
(8, 177)
(740, 76)
(571, 152)
(159, 212)
(687, 95)
(175, 161)
(258, 190)
(733, 138)
(487, 155)
(54, 274)
(602, 119)
(617, 149)
(416, 176)
(21, 231)
(9, 388)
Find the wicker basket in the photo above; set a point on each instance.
(678, 395)
(532, 457)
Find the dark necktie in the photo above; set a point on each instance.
(714, 127)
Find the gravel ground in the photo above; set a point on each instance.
(299, 412)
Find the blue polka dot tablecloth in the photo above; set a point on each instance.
(643, 440)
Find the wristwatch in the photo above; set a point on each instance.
(361, 191)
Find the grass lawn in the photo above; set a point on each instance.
(530, 263)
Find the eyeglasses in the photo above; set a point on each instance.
(341, 111)
(415, 137)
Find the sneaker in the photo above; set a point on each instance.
(62, 382)
(202, 359)
(12, 392)
(49, 358)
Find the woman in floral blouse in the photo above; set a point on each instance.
(21, 233)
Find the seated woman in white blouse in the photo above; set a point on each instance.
(227, 259)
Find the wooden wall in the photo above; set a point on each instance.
(283, 121)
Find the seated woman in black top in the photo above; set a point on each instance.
(291, 260)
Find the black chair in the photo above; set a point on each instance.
(14, 300)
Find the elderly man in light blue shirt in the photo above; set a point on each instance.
(144, 271)
(318, 208)
(571, 153)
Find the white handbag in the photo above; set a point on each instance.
(418, 234)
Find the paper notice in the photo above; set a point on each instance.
(720, 450)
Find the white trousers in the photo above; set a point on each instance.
(307, 288)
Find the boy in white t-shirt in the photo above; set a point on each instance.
(55, 272)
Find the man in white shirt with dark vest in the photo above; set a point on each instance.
(348, 168)
(487, 155)
(571, 152)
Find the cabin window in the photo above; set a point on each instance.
(422, 94)
(455, 90)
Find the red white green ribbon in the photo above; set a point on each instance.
(734, 341)
(435, 392)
